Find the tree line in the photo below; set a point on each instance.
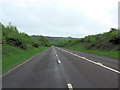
(11, 36)
(105, 41)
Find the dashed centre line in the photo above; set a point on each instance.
(57, 56)
(59, 61)
(70, 86)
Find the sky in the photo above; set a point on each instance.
(75, 18)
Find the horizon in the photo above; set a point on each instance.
(60, 18)
(58, 35)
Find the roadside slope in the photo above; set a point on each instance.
(12, 56)
(104, 44)
(80, 47)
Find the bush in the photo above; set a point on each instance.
(13, 37)
(106, 41)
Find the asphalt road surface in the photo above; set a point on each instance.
(61, 68)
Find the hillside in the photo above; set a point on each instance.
(56, 39)
(106, 44)
(18, 47)
(12, 56)
(11, 36)
(53, 39)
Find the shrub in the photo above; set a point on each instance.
(12, 36)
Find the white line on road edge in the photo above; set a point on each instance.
(97, 63)
(18, 66)
(70, 86)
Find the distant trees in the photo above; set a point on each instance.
(11, 36)
(44, 41)
(67, 42)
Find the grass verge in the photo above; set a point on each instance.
(12, 56)
(80, 47)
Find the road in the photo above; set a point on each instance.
(61, 68)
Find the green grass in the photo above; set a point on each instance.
(79, 47)
(12, 56)
(0, 59)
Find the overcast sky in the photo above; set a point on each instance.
(75, 18)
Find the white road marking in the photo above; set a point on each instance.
(70, 86)
(109, 68)
(54, 51)
(18, 66)
(57, 56)
(97, 63)
(59, 61)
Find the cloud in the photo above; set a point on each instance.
(98, 10)
(75, 18)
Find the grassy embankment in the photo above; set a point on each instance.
(104, 44)
(80, 47)
(12, 56)
(0, 59)
(18, 46)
